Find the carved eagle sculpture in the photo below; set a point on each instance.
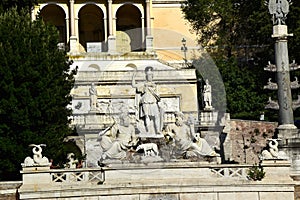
(279, 9)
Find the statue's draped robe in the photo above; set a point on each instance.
(119, 139)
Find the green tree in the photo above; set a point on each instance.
(232, 25)
(245, 98)
(35, 84)
(8, 4)
(237, 34)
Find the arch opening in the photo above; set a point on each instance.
(129, 21)
(91, 25)
(56, 16)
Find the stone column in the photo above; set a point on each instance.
(143, 30)
(111, 43)
(286, 118)
(287, 131)
(73, 38)
(148, 17)
(67, 30)
(149, 37)
(76, 22)
(110, 17)
(72, 17)
(105, 29)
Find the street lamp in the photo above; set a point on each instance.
(184, 49)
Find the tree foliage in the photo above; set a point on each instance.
(35, 84)
(237, 34)
(19, 4)
(242, 90)
(229, 24)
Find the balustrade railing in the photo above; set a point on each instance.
(97, 176)
(231, 172)
(80, 176)
(93, 176)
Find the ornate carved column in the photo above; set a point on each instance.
(287, 131)
(279, 11)
(283, 80)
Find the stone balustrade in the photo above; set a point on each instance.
(78, 176)
(33, 175)
(179, 180)
(96, 175)
(45, 175)
(107, 120)
(228, 172)
(182, 75)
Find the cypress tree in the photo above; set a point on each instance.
(35, 89)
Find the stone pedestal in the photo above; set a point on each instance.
(280, 30)
(208, 117)
(33, 176)
(73, 44)
(290, 142)
(287, 131)
(149, 43)
(93, 149)
(276, 169)
(111, 45)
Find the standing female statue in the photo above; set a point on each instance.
(148, 107)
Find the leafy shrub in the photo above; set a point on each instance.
(256, 172)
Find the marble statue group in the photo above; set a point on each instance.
(145, 136)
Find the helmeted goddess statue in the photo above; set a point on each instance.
(148, 108)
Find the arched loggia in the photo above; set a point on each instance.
(129, 21)
(91, 25)
(56, 16)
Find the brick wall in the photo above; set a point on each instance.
(248, 138)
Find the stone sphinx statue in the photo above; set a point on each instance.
(272, 152)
